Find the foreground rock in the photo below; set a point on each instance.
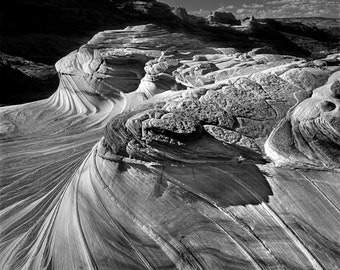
(154, 153)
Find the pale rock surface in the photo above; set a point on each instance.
(150, 155)
(309, 135)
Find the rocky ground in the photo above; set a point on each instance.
(168, 149)
(160, 151)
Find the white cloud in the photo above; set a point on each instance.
(200, 13)
(281, 2)
(281, 8)
(291, 8)
(225, 8)
(252, 6)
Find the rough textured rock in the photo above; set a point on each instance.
(309, 136)
(152, 154)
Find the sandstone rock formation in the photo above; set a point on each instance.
(46, 32)
(319, 36)
(309, 135)
(160, 150)
(224, 18)
(188, 18)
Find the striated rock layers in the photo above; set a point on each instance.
(309, 135)
(163, 151)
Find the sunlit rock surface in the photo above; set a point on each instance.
(309, 135)
(154, 154)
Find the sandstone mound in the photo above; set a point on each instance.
(162, 151)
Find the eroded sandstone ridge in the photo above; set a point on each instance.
(309, 135)
(160, 150)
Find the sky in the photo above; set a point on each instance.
(262, 8)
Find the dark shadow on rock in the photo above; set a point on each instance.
(223, 175)
(222, 185)
(24, 81)
(45, 33)
(189, 158)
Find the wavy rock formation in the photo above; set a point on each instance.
(161, 151)
(309, 135)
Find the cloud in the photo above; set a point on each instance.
(291, 8)
(281, 2)
(252, 6)
(200, 13)
(281, 9)
(225, 8)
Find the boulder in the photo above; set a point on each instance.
(223, 18)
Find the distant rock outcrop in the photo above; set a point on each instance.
(188, 18)
(316, 35)
(24, 81)
(46, 32)
(248, 20)
(224, 18)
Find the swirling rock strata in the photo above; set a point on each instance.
(310, 135)
(151, 157)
